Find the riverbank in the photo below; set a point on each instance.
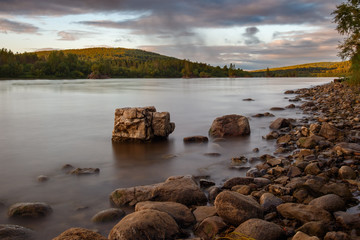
(255, 180)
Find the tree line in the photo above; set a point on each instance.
(110, 62)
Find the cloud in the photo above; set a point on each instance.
(73, 35)
(17, 27)
(250, 37)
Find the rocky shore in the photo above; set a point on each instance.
(308, 189)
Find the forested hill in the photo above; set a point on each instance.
(105, 62)
(320, 69)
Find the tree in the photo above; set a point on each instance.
(347, 17)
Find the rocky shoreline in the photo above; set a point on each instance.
(308, 189)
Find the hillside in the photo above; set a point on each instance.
(105, 62)
(320, 69)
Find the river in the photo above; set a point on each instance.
(45, 124)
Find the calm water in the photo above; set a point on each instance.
(46, 124)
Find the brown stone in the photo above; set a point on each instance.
(303, 213)
(280, 123)
(29, 210)
(303, 236)
(230, 126)
(203, 212)
(329, 202)
(196, 139)
(15, 232)
(79, 234)
(210, 227)
(108, 215)
(261, 230)
(330, 132)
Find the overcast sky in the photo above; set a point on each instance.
(253, 34)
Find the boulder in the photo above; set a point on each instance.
(261, 230)
(29, 210)
(141, 124)
(209, 227)
(318, 229)
(269, 202)
(230, 126)
(181, 189)
(303, 236)
(312, 169)
(348, 220)
(304, 213)
(79, 234)
(346, 172)
(347, 148)
(329, 202)
(237, 181)
(330, 132)
(147, 224)
(108, 215)
(203, 212)
(336, 236)
(15, 232)
(178, 211)
(236, 208)
(280, 123)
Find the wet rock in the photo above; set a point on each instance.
(42, 178)
(289, 92)
(237, 181)
(253, 173)
(84, 171)
(303, 236)
(347, 148)
(290, 106)
(237, 161)
(284, 139)
(141, 124)
(312, 169)
(336, 236)
(329, 202)
(203, 212)
(280, 123)
(242, 189)
(248, 99)
(131, 196)
(213, 192)
(179, 212)
(267, 114)
(67, 167)
(210, 227)
(318, 229)
(212, 154)
(230, 126)
(271, 135)
(29, 210)
(269, 202)
(256, 150)
(196, 139)
(15, 232)
(346, 172)
(303, 213)
(348, 220)
(236, 208)
(146, 224)
(330, 132)
(108, 215)
(181, 189)
(205, 183)
(261, 230)
(294, 171)
(79, 234)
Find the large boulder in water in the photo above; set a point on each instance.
(141, 124)
(15, 232)
(147, 224)
(30, 210)
(230, 126)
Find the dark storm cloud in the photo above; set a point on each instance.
(17, 27)
(190, 13)
(250, 37)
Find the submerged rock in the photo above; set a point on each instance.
(30, 210)
(230, 126)
(141, 124)
(108, 215)
(196, 139)
(15, 232)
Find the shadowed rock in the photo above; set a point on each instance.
(230, 126)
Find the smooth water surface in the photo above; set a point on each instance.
(45, 124)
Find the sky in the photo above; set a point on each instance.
(252, 34)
